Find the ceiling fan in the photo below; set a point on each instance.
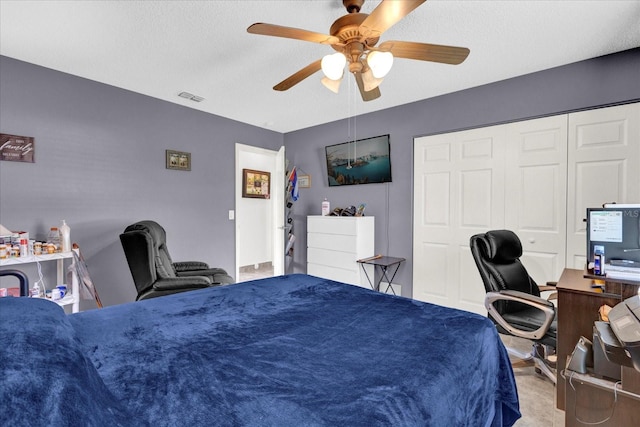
(354, 37)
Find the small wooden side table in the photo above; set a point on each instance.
(384, 264)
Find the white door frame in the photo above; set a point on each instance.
(277, 160)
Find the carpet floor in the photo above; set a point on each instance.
(536, 392)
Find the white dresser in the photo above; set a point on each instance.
(335, 243)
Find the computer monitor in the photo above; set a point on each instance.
(617, 230)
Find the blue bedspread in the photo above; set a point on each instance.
(295, 350)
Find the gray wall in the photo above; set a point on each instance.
(100, 159)
(100, 165)
(597, 82)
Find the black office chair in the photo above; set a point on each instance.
(153, 271)
(513, 298)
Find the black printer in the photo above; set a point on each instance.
(620, 338)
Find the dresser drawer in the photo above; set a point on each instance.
(333, 258)
(337, 242)
(351, 277)
(333, 273)
(332, 225)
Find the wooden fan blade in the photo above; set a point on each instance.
(386, 15)
(426, 52)
(296, 78)
(366, 96)
(291, 33)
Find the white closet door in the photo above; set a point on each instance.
(604, 160)
(535, 177)
(536, 194)
(458, 191)
(508, 176)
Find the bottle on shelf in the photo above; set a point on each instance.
(326, 207)
(65, 236)
(35, 291)
(54, 238)
(24, 247)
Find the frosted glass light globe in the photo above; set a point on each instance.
(380, 63)
(333, 65)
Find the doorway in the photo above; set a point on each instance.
(259, 222)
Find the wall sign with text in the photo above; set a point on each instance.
(15, 148)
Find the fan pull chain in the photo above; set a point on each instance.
(355, 114)
(349, 113)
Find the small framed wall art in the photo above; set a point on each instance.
(16, 148)
(304, 181)
(178, 160)
(256, 184)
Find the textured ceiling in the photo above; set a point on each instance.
(161, 48)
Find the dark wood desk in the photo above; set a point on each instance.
(578, 305)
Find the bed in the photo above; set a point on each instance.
(293, 350)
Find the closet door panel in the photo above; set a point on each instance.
(475, 198)
(436, 187)
(535, 193)
(458, 192)
(603, 167)
(472, 293)
(432, 275)
(432, 220)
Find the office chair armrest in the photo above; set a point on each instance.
(539, 303)
(191, 282)
(523, 297)
(190, 266)
(552, 295)
(550, 286)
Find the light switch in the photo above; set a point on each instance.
(232, 215)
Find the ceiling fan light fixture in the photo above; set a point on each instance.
(333, 65)
(354, 37)
(380, 63)
(369, 81)
(332, 85)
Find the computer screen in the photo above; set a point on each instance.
(617, 229)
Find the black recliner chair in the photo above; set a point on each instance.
(513, 298)
(22, 279)
(153, 271)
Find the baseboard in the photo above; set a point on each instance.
(252, 268)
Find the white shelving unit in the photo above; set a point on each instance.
(72, 298)
(336, 243)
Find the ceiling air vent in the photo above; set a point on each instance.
(191, 96)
